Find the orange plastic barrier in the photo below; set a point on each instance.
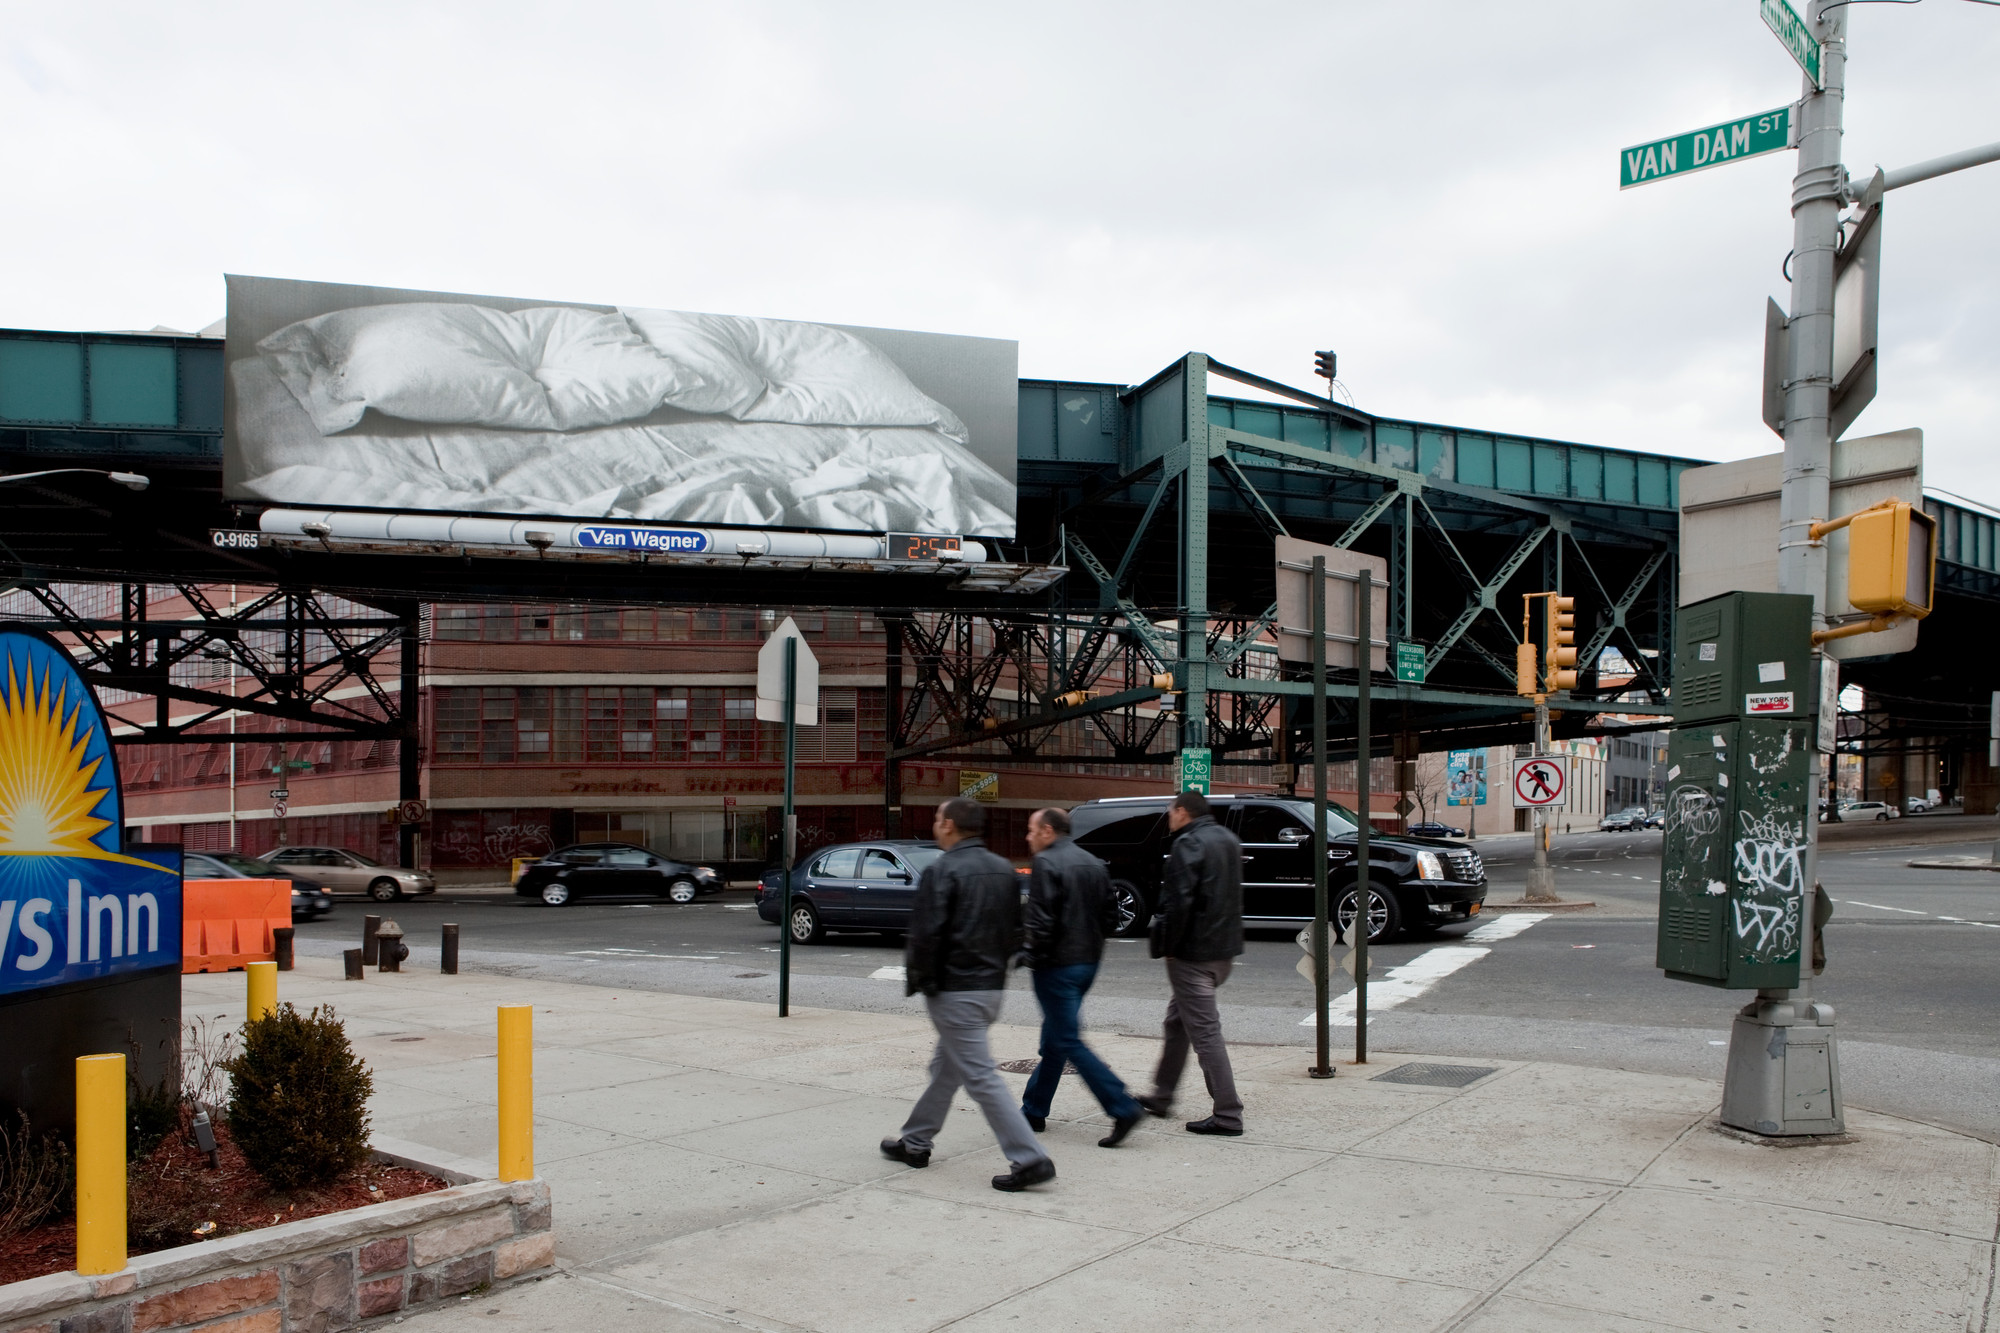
(226, 923)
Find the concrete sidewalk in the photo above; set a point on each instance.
(715, 1167)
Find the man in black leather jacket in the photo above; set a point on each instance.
(1068, 913)
(1199, 932)
(965, 926)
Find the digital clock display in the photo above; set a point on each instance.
(920, 545)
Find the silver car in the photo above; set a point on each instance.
(341, 871)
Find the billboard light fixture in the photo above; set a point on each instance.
(540, 540)
(750, 548)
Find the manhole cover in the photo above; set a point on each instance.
(1028, 1067)
(1436, 1076)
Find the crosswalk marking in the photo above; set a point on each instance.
(893, 972)
(1406, 983)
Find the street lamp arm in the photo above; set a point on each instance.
(129, 479)
(1939, 166)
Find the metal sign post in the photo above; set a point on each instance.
(1364, 735)
(787, 692)
(1323, 1066)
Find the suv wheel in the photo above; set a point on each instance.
(1385, 915)
(385, 890)
(805, 925)
(1130, 906)
(681, 891)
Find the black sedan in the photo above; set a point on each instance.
(857, 885)
(1433, 829)
(309, 900)
(605, 868)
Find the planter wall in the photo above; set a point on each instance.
(310, 1276)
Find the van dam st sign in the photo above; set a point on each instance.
(1698, 150)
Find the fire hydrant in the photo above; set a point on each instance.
(390, 947)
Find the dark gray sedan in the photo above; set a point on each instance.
(855, 886)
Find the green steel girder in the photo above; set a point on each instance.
(1485, 598)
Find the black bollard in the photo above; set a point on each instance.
(369, 925)
(281, 941)
(352, 958)
(448, 955)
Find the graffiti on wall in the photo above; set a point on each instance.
(461, 841)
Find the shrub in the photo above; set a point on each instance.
(35, 1176)
(298, 1104)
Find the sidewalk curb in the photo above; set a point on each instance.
(1955, 863)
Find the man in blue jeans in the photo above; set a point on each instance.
(1068, 913)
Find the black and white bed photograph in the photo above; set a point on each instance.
(382, 398)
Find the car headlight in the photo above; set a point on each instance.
(704, 872)
(1428, 866)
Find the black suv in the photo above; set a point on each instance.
(1416, 882)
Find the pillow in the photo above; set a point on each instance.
(448, 363)
(785, 371)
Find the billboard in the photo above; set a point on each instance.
(1465, 777)
(382, 398)
(74, 906)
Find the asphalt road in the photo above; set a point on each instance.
(1914, 968)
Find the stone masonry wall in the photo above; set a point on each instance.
(313, 1276)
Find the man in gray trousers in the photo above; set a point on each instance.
(1199, 931)
(965, 927)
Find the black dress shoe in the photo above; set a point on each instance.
(1209, 1126)
(1034, 1173)
(1158, 1107)
(1038, 1123)
(898, 1151)
(1121, 1128)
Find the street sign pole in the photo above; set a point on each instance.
(786, 833)
(1323, 1066)
(1364, 734)
(1541, 878)
(1751, 1099)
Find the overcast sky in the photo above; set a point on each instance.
(1429, 188)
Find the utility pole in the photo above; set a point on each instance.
(1819, 193)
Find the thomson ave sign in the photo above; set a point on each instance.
(74, 905)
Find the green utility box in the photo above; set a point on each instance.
(1744, 654)
(1734, 900)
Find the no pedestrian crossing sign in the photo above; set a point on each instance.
(1410, 662)
(1541, 781)
(1711, 146)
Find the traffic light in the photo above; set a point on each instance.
(1524, 667)
(1323, 363)
(1561, 657)
(1891, 560)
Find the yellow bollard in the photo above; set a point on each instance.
(100, 1163)
(261, 983)
(517, 1092)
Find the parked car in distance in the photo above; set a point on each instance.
(600, 869)
(856, 885)
(338, 870)
(309, 900)
(1414, 883)
(1615, 821)
(1868, 810)
(1916, 805)
(1432, 829)
(1656, 819)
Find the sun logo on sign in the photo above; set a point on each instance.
(56, 781)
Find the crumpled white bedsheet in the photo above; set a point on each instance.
(696, 470)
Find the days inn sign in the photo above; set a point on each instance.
(1698, 150)
(75, 906)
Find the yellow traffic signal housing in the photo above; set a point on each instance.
(1892, 560)
(1561, 656)
(1524, 668)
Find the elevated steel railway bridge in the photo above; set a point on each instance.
(1147, 515)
